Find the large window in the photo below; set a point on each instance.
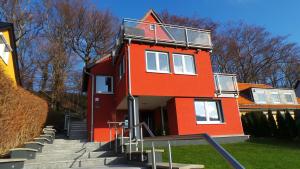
(184, 64)
(157, 62)
(208, 112)
(104, 84)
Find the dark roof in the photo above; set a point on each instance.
(10, 28)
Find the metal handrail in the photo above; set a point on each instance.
(225, 154)
(144, 125)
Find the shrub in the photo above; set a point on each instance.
(272, 124)
(297, 121)
(291, 125)
(22, 114)
(245, 123)
(282, 127)
(261, 128)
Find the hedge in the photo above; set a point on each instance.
(22, 115)
(258, 124)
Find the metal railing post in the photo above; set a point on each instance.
(142, 144)
(69, 124)
(186, 37)
(122, 139)
(170, 155)
(153, 156)
(155, 34)
(130, 144)
(109, 136)
(116, 139)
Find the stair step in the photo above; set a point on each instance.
(72, 156)
(93, 162)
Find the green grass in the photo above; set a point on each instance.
(255, 154)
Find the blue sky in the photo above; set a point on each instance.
(280, 17)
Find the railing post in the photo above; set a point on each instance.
(170, 155)
(122, 139)
(142, 144)
(109, 135)
(69, 124)
(116, 139)
(155, 34)
(186, 37)
(153, 156)
(130, 144)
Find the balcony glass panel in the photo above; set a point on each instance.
(226, 84)
(138, 30)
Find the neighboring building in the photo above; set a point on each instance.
(297, 88)
(8, 52)
(162, 75)
(261, 97)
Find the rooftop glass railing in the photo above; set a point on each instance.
(165, 34)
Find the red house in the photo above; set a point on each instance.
(162, 75)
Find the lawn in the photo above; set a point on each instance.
(254, 154)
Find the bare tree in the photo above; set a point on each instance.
(252, 53)
(194, 21)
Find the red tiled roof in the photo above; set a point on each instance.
(245, 101)
(244, 86)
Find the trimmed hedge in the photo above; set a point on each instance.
(22, 114)
(258, 124)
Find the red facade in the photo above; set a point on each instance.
(165, 99)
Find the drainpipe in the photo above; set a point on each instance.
(92, 104)
(132, 119)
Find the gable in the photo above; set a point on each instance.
(146, 26)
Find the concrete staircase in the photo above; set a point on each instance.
(78, 130)
(64, 154)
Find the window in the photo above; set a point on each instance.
(288, 98)
(122, 68)
(183, 64)
(275, 97)
(157, 62)
(259, 96)
(152, 27)
(208, 112)
(104, 84)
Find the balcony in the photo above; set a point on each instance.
(165, 34)
(225, 85)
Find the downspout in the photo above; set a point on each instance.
(92, 104)
(129, 84)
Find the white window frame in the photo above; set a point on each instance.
(122, 68)
(219, 109)
(157, 62)
(271, 93)
(112, 85)
(286, 99)
(183, 64)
